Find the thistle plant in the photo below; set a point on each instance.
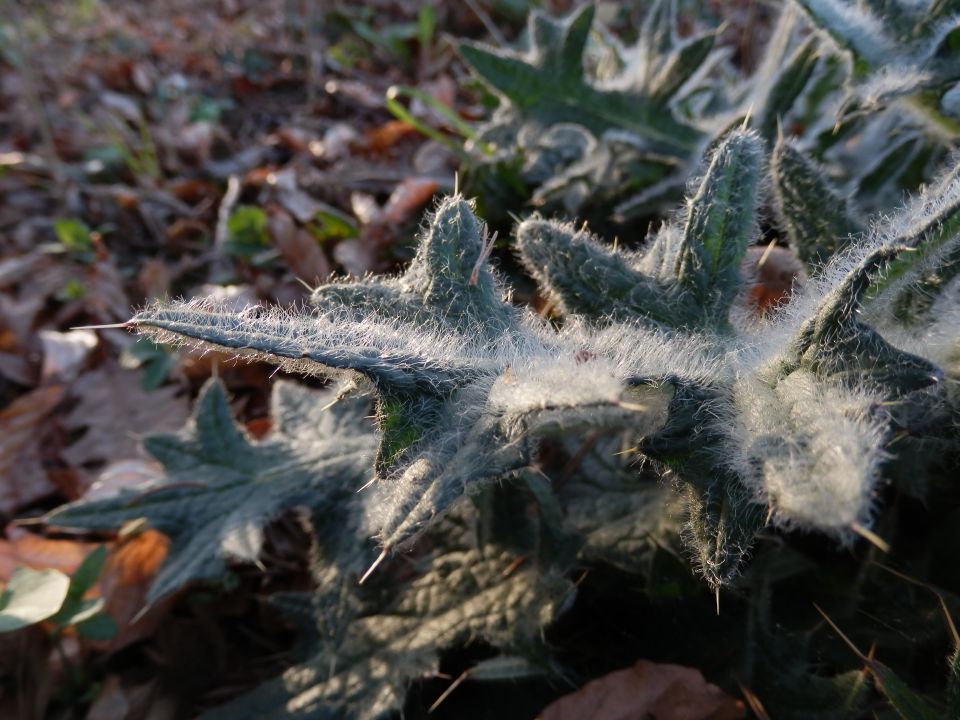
(784, 421)
(791, 419)
(819, 416)
(465, 383)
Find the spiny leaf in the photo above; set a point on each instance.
(219, 488)
(448, 283)
(853, 28)
(834, 343)
(682, 280)
(680, 66)
(519, 411)
(548, 86)
(816, 217)
(310, 344)
(720, 224)
(722, 521)
(930, 230)
(790, 82)
(585, 278)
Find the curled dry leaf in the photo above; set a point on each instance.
(22, 477)
(647, 690)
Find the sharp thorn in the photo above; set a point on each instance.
(446, 693)
(842, 636)
(113, 326)
(376, 564)
(871, 537)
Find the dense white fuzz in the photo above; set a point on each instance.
(810, 450)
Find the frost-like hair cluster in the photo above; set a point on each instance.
(811, 451)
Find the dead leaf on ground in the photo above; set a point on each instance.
(298, 247)
(644, 691)
(23, 479)
(776, 271)
(24, 548)
(64, 353)
(117, 699)
(114, 412)
(127, 575)
(408, 198)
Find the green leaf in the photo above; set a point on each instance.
(680, 66)
(722, 521)
(247, 231)
(585, 278)
(548, 86)
(684, 279)
(220, 488)
(99, 628)
(75, 237)
(31, 596)
(328, 226)
(76, 611)
(908, 704)
(833, 343)
(448, 282)
(817, 218)
(789, 84)
(721, 223)
(857, 30)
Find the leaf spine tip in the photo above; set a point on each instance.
(376, 564)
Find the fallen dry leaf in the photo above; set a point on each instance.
(407, 198)
(298, 247)
(775, 271)
(384, 137)
(126, 578)
(115, 411)
(646, 691)
(23, 548)
(22, 477)
(64, 353)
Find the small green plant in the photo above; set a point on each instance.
(35, 596)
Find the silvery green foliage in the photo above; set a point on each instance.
(688, 276)
(466, 384)
(581, 140)
(621, 145)
(792, 418)
(220, 488)
(464, 595)
(900, 49)
(817, 217)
